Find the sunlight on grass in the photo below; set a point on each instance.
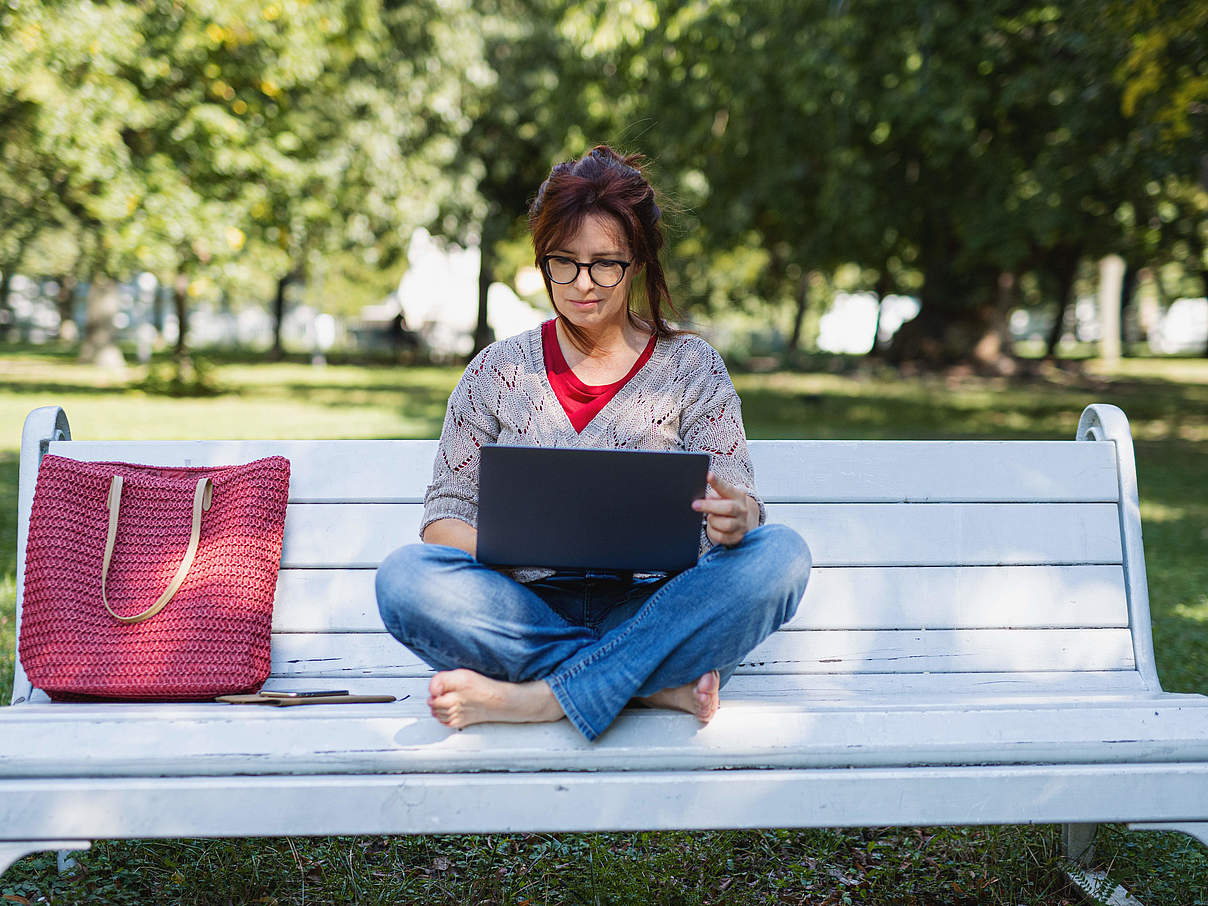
(257, 401)
(1161, 512)
(1197, 611)
(1181, 370)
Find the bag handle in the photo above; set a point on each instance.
(202, 498)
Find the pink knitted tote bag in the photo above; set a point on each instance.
(180, 605)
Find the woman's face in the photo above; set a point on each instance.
(585, 304)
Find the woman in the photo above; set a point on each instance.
(537, 645)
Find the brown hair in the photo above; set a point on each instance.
(604, 182)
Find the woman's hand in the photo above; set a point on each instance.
(731, 512)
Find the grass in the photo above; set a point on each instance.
(1167, 403)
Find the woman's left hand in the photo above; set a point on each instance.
(731, 512)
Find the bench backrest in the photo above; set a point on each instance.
(962, 567)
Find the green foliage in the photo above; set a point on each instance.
(957, 142)
(1166, 69)
(936, 147)
(237, 143)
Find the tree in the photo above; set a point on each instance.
(214, 143)
(968, 144)
(62, 111)
(549, 90)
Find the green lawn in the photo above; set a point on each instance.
(1167, 402)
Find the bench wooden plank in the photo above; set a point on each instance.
(942, 650)
(986, 597)
(320, 470)
(393, 738)
(787, 471)
(852, 534)
(855, 690)
(818, 690)
(825, 651)
(890, 471)
(657, 800)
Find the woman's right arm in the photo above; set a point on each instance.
(452, 533)
(451, 500)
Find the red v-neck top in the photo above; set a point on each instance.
(580, 401)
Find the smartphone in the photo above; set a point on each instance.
(311, 694)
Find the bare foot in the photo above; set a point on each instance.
(701, 698)
(459, 698)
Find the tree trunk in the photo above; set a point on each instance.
(1128, 289)
(955, 319)
(180, 303)
(956, 305)
(993, 350)
(8, 269)
(1063, 270)
(278, 351)
(1204, 280)
(157, 307)
(492, 231)
(100, 334)
(7, 320)
(69, 331)
(1111, 281)
(802, 306)
(880, 290)
(1197, 253)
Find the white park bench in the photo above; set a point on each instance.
(974, 647)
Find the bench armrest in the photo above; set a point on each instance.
(42, 426)
(1104, 422)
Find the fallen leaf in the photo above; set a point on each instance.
(13, 898)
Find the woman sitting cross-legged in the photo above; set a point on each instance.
(607, 371)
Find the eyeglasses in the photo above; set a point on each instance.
(604, 272)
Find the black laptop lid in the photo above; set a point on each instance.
(589, 509)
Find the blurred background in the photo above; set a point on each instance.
(936, 182)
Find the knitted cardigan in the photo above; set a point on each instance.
(681, 399)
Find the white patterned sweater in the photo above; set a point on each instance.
(681, 399)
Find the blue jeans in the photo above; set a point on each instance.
(597, 638)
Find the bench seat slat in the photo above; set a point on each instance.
(857, 534)
(932, 471)
(818, 690)
(233, 739)
(320, 470)
(342, 600)
(942, 650)
(607, 801)
(787, 471)
(351, 655)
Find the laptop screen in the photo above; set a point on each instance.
(589, 509)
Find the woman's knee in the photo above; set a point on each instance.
(779, 547)
(404, 586)
(784, 563)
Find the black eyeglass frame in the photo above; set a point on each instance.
(579, 265)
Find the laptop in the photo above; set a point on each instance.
(624, 510)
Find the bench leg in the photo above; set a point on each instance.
(12, 850)
(1078, 843)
